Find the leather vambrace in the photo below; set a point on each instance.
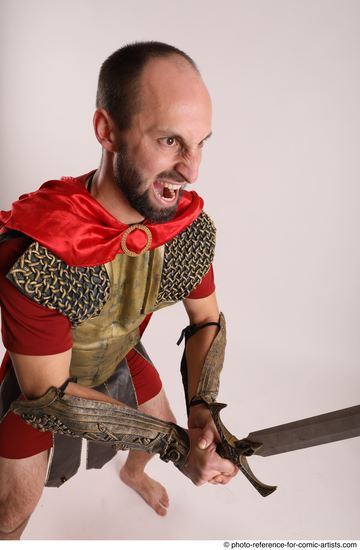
(119, 426)
(209, 382)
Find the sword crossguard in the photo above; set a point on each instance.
(236, 450)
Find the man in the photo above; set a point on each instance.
(85, 262)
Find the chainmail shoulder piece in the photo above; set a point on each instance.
(77, 292)
(187, 258)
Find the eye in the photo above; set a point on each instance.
(169, 141)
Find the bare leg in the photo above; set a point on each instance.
(132, 473)
(21, 485)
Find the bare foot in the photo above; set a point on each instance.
(150, 490)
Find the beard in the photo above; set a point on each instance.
(130, 182)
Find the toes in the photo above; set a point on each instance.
(151, 491)
(160, 510)
(164, 500)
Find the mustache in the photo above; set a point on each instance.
(171, 176)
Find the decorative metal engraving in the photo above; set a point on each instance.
(187, 258)
(77, 292)
(236, 451)
(209, 382)
(118, 426)
(127, 232)
(47, 423)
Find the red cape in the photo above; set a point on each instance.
(65, 218)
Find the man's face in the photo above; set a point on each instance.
(161, 151)
(133, 185)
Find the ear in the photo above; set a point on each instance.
(105, 130)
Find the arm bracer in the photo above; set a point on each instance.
(119, 426)
(209, 381)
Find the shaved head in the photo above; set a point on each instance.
(118, 85)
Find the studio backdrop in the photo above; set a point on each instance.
(280, 178)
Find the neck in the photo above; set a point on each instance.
(105, 190)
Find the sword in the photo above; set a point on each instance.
(308, 432)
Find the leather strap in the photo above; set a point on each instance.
(190, 330)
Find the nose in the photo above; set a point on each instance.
(188, 167)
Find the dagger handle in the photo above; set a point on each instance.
(236, 450)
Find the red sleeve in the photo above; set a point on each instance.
(27, 327)
(206, 287)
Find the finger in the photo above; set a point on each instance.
(206, 439)
(232, 474)
(226, 467)
(218, 479)
(227, 479)
(222, 479)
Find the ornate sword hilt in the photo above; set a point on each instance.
(236, 450)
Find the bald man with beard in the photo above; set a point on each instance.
(85, 261)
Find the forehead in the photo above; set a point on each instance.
(172, 93)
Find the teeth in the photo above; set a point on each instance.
(172, 186)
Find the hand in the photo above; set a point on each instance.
(205, 465)
(200, 417)
(204, 436)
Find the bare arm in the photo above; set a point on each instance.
(201, 311)
(36, 374)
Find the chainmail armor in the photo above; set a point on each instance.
(187, 258)
(77, 292)
(80, 293)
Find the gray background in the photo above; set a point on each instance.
(280, 177)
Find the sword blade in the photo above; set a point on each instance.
(308, 432)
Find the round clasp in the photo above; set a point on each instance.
(127, 232)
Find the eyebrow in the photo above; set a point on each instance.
(207, 137)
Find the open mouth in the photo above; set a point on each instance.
(166, 192)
